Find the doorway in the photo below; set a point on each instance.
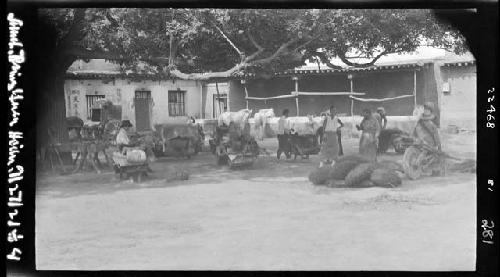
(142, 104)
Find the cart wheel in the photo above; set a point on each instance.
(411, 162)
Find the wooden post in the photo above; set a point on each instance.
(201, 101)
(296, 80)
(243, 82)
(414, 90)
(351, 90)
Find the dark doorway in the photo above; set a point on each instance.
(142, 104)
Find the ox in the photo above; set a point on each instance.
(261, 119)
(240, 117)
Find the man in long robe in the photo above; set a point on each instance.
(284, 130)
(368, 142)
(330, 144)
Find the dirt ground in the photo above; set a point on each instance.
(267, 217)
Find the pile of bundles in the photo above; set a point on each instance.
(357, 171)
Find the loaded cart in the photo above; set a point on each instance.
(303, 145)
(178, 140)
(133, 164)
(233, 148)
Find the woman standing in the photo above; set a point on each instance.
(330, 146)
(369, 137)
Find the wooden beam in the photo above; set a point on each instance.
(414, 89)
(326, 93)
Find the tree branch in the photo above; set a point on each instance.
(324, 59)
(276, 54)
(253, 41)
(228, 40)
(345, 60)
(208, 75)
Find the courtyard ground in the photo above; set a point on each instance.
(267, 217)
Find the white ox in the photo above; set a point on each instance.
(240, 117)
(261, 118)
(306, 124)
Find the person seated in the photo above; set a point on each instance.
(122, 138)
(426, 129)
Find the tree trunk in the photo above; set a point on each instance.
(52, 110)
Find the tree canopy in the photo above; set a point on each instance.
(206, 43)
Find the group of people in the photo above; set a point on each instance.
(372, 125)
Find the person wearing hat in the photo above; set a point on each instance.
(381, 117)
(427, 132)
(368, 142)
(330, 144)
(427, 127)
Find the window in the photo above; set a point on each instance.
(446, 88)
(93, 111)
(176, 103)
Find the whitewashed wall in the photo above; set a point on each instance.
(122, 92)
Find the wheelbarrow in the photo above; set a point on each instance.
(421, 158)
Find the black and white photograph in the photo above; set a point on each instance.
(254, 139)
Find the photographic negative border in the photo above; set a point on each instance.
(480, 28)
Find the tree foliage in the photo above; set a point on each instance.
(205, 43)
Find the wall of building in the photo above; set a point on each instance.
(382, 84)
(458, 106)
(122, 92)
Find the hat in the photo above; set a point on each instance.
(381, 109)
(125, 123)
(429, 105)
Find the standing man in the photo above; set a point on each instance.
(370, 128)
(283, 135)
(330, 145)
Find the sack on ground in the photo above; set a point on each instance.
(384, 177)
(340, 169)
(360, 173)
(390, 165)
(320, 176)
